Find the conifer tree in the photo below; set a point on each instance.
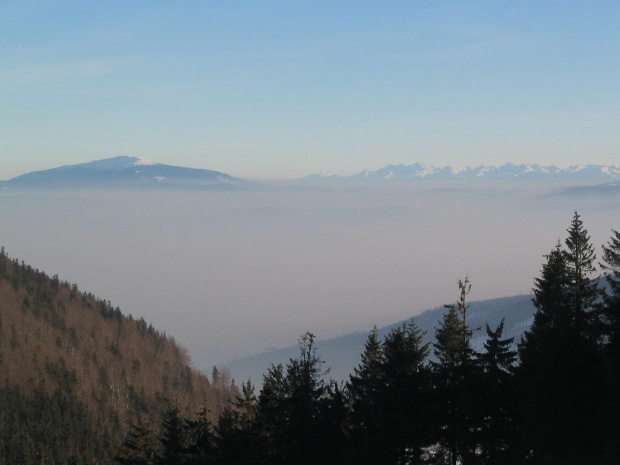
(406, 396)
(366, 387)
(455, 375)
(201, 449)
(583, 290)
(238, 431)
(496, 397)
(559, 375)
(270, 415)
(334, 428)
(611, 350)
(611, 311)
(173, 437)
(304, 387)
(141, 446)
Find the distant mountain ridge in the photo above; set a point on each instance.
(123, 171)
(526, 171)
(342, 354)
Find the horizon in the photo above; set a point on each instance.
(330, 173)
(280, 91)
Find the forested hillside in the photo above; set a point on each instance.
(76, 373)
(342, 353)
(554, 399)
(85, 384)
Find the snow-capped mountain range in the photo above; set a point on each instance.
(126, 171)
(123, 171)
(599, 173)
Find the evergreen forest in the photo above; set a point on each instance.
(76, 374)
(84, 396)
(550, 398)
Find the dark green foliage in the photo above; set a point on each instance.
(406, 396)
(304, 388)
(335, 425)
(39, 428)
(174, 438)
(141, 446)
(77, 372)
(271, 414)
(201, 448)
(583, 289)
(611, 348)
(560, 373)
(456, 377)
(556, 403)
(367, 394)
(496, 398)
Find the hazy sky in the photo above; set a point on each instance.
(286, 88)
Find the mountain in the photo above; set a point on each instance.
(608, 189)
(586, 173)
(124, 171)
(342, 354)
(75, 373)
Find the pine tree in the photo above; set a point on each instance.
(559, 375)
(583, 290)
(173, 437)
(141, 446)
(238, 432)
(271, 416)
(201, 448)
(496, 397)
(366, 387)
(304, 387)
(611, 349)
(334, 426)
(611, 311)
(406, 395)
(455, 375)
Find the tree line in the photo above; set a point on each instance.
(75, 373)
(551, 398)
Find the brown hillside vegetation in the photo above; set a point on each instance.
(57, 339)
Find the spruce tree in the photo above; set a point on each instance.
(454, 374)
(559, 375)
(271, 416)
(583, 289)
(173, 437)
(334, 427)
(238, 432)
(201, 449)
(611, 310)
(406, 394)
(611, 350)
(304, 387)
(141, 446)
(496, 397)
(366, 387)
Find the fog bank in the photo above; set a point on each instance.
(234, 273)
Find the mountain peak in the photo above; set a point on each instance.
(588, 172)
(111, 164)
(123, 171)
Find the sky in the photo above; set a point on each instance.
(283, 89)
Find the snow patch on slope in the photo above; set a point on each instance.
(143, 161)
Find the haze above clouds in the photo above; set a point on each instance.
(286, 89)
(279, 90)
(234, 273)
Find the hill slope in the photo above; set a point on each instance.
(72, 366)
(342, 354)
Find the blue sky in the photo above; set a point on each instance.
(280, 89)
